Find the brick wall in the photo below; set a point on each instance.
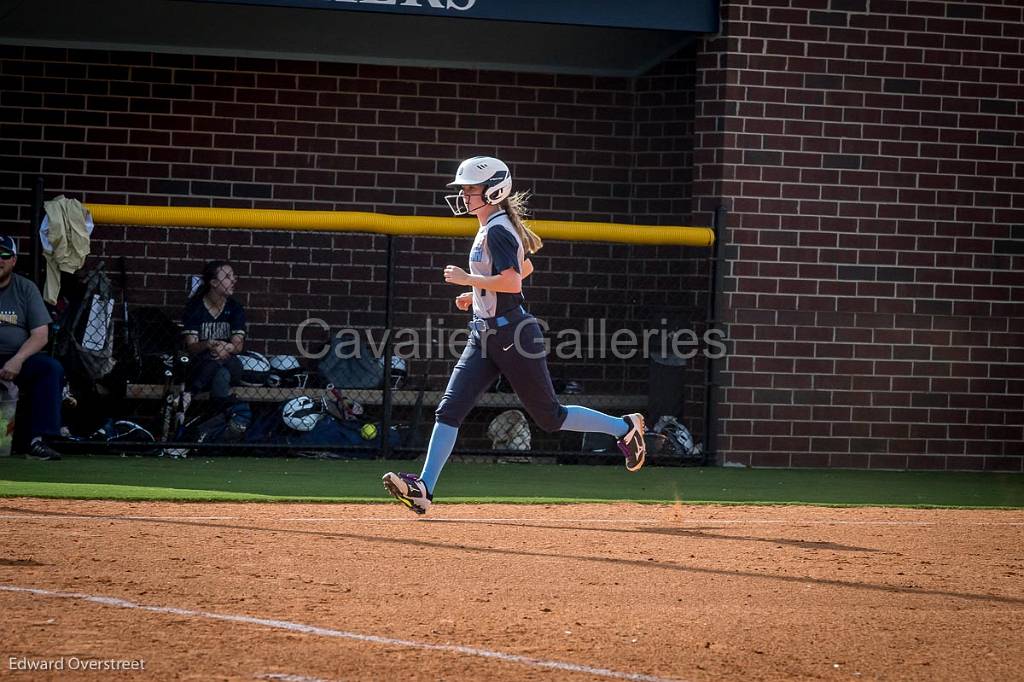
(140, 128)
(872, 154)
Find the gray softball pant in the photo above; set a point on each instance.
(515, 350)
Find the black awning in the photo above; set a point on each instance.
(537, 35)
(696, 16)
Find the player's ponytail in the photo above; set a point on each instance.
(515, 207)
(210, 271)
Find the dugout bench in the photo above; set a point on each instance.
(398, 397)
(474, 434)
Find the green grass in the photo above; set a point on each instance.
(262, 480)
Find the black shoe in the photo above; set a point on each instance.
(40, 450)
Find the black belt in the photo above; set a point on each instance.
(482, 324)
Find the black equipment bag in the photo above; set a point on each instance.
(152, 334)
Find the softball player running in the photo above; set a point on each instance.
(504, 338)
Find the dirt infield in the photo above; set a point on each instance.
(498, 592)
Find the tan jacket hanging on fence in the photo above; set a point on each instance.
(69, 240)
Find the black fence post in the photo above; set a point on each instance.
(716, 271)
(36, 218)
(389, 304)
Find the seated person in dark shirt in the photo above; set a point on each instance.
(214, 332)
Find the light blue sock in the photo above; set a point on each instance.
(592, 421)
(442, 442)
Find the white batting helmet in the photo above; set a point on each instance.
(488, 171)
(302, 413)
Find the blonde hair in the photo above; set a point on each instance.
(516, 208)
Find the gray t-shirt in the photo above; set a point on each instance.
(21, 310)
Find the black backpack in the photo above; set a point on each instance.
(85, 338)
(363, 370)
(152, 334)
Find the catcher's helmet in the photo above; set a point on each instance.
(488, 171)
(399, 371)
(679, 441)
(302, 413)
(674, 430)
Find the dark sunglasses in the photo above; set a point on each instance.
(6, 255)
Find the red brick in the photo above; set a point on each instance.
(968, 463)
(928, 462)
(810, 459)
(767, 459)
(849, 461)
(898, 462)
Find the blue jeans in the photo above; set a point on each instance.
(216, 375)
(40, 386)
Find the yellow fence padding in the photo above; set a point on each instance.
(379, 223)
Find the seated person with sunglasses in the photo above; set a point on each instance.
(24, 331)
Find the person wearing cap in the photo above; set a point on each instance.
(24, 332)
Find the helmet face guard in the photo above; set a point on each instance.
(457, 203)
(492, 173)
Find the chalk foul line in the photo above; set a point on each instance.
(341, 634)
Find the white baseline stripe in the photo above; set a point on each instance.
(57, 516)
(303, 519)
(468, 519)
(282, 677)
(684, 522)
(518, 520)
(341, 634)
